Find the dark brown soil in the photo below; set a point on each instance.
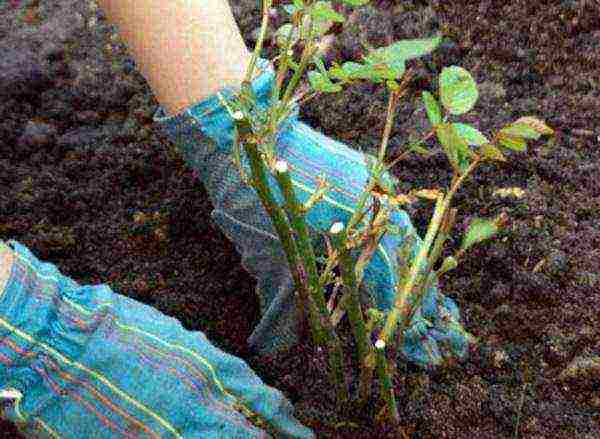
(532, 297)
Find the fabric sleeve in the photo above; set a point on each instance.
(88, 362)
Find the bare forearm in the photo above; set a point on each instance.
(187, 50)
(6, 261)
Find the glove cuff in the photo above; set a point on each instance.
(212, 118)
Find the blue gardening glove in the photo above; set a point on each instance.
(79, 361)
(204, 133)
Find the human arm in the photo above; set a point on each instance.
(84, 361)
(185, 50)
(6, 262)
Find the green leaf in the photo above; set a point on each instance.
(450, 263)
(419, 149)
(511, 142)
(355, 2)
(521, 130)
(322, 10)
(299, 4)
(443, 134)
(472, 135)
(319, 26)
(458, 91)
(388, 62)
(377, 73)
(513, 135)
(403, 50)
(321, 66)
(392, 85)
(282, 33)
(536, 124)
(481, 229)
(454, 146)
(319, 82)
(432, 107)
(491, 152)
(349, 71)
(381, 72)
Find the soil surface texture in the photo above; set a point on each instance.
(87, 183)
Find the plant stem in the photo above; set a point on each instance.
(405, 154)
(441, 206)
(392, 102)
(440, 240)
(387, 390)
(282, 227)
(261, 37)
(353, 302)
(388, 125)
(307, 54)
(402, 297)
(317, 303)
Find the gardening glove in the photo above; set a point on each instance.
(204, 133)
(80, 361)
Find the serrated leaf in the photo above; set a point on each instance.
(403, 50)
(381, 72)
(458, 91)
(490, 152)
(536, 124)
(454, 146)
(434, 113)
(322, 10)
(471, 134)
(350, 71)
(319, 82)
(480, 230)
(520, 130)
(511, 142)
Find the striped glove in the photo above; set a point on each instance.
(204, 133)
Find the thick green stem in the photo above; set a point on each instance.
(318, 305)
(353, 302)
(364, 384)
(385, 381)
(282, 227)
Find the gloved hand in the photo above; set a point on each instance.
(204, 133)
(79, 361)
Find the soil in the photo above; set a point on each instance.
(532, 297)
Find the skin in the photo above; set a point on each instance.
(6, 262)
(186, 50)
